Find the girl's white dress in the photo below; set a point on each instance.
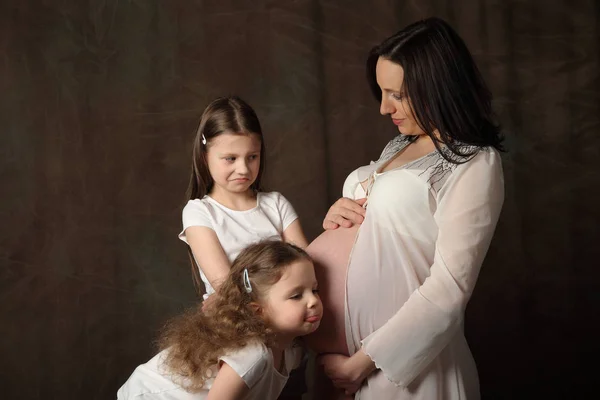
(413, 267)
(253, 363)
(235, 229)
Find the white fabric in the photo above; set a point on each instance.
(239, 229)
(413, 268)
(253, 363)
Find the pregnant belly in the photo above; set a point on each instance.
(330, 252)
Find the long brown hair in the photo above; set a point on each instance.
(222, 115)
(444, 87)
(196, 340)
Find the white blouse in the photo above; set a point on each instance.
(413, 268)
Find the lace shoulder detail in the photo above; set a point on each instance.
(436, 168)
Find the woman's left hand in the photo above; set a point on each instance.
(347, 373)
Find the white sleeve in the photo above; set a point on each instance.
(468, 207)
(195, 213)
(286, 211)
(249, 362)
(352, 188)
(350, 185)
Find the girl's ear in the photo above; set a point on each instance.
(256, 308)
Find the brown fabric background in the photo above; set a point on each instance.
(99, 104)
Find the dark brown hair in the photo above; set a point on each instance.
(444, 87)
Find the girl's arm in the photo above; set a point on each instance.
(228, 385)
(209, 253)
(293, 234)
(292, 231)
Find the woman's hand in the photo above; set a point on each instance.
(345, 212)
(347, 373)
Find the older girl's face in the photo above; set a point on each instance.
(390, 77)
(234, 162)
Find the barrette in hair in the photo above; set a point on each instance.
(203, 139)
(246, 279)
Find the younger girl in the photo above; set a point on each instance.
(242, 348)
(227, 211)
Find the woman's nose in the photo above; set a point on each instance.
(386, 107)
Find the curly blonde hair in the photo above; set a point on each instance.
(196, 339)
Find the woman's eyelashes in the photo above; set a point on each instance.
(397, 96)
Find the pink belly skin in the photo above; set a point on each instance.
(331, 252)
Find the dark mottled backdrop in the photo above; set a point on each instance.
(99, 103)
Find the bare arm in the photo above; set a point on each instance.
(209, 253)
(293, 234)
(228, 385)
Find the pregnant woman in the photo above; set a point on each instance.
(402, 249)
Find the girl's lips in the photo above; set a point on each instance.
(313, 319)
(397, 121)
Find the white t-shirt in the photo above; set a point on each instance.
(253, 363)
(238, 229)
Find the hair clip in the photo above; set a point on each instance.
(246, 280)
(203, 139)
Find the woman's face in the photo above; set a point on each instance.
(390, 77)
